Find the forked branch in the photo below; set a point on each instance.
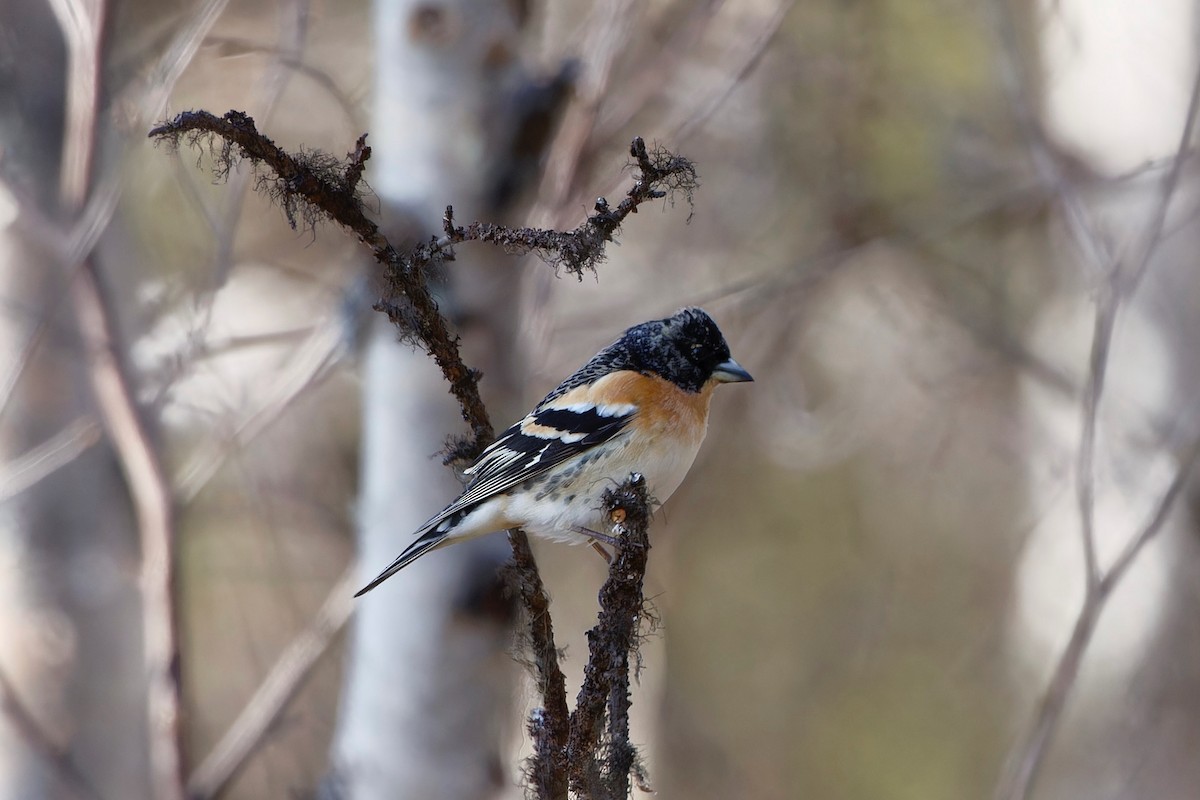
(570, 749)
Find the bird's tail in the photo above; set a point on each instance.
(414, 551)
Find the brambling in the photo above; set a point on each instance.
(640, 405)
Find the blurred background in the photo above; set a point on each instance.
(953, 240)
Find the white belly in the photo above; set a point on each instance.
(572, 499)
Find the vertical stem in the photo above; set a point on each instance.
(152, 502)
(549, 728)
(1030, 754)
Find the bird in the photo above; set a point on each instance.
(639, 405)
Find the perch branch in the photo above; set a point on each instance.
(610, 642)
(315, 185)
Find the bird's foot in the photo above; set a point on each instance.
(611, 541)
(602, 550)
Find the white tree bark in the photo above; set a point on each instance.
(429, 682)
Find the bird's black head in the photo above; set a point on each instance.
(686, 349)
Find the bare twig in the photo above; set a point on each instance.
(549, 726)
(152, 503)
(1107, 304)
(1153, 234)
(286, 56)
(293, 31)
(1025, 759)
(1119, 281)
(610, 24)
(316, 185)
(250, 729)
(745, 59)
(1127, 556)
(82, 22)
(314, 362)
(51, 455)
(32, 733)
(1097, 255)
(648, 79)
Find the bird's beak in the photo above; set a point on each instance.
(730, 372)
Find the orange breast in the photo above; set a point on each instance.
(663, 408)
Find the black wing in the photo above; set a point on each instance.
(544, 439)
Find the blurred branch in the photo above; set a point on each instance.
(83, 26)
(1097, 255)
(1119, 281)
(312, 364)
(1153, 234)
(101, 200)
(32, 733)
(743, 61)
(294, 17)
(632, 96)
(1127, 556)
(151, 494)
(249, 731)
(609, 25)
(1027, 757)
(314, 186)
(51, 455)
(287, 57)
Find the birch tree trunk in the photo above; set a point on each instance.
(429, 681)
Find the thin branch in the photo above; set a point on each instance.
(82, 23)
(1119, 281)
(1097, 255)
(286, 56)
(151, 495)
(1026, 759)
(1152, 237)
(312, 365)
(1085, 462)
(747, 59)
(1127, 556)
(610, 24)
(271, 84)
(48, 457)
(549, 726)
(633, 96)
(32, 733)
(249, 731)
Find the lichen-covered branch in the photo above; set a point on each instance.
(571, 750)
(601, 769)
(316, 185)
